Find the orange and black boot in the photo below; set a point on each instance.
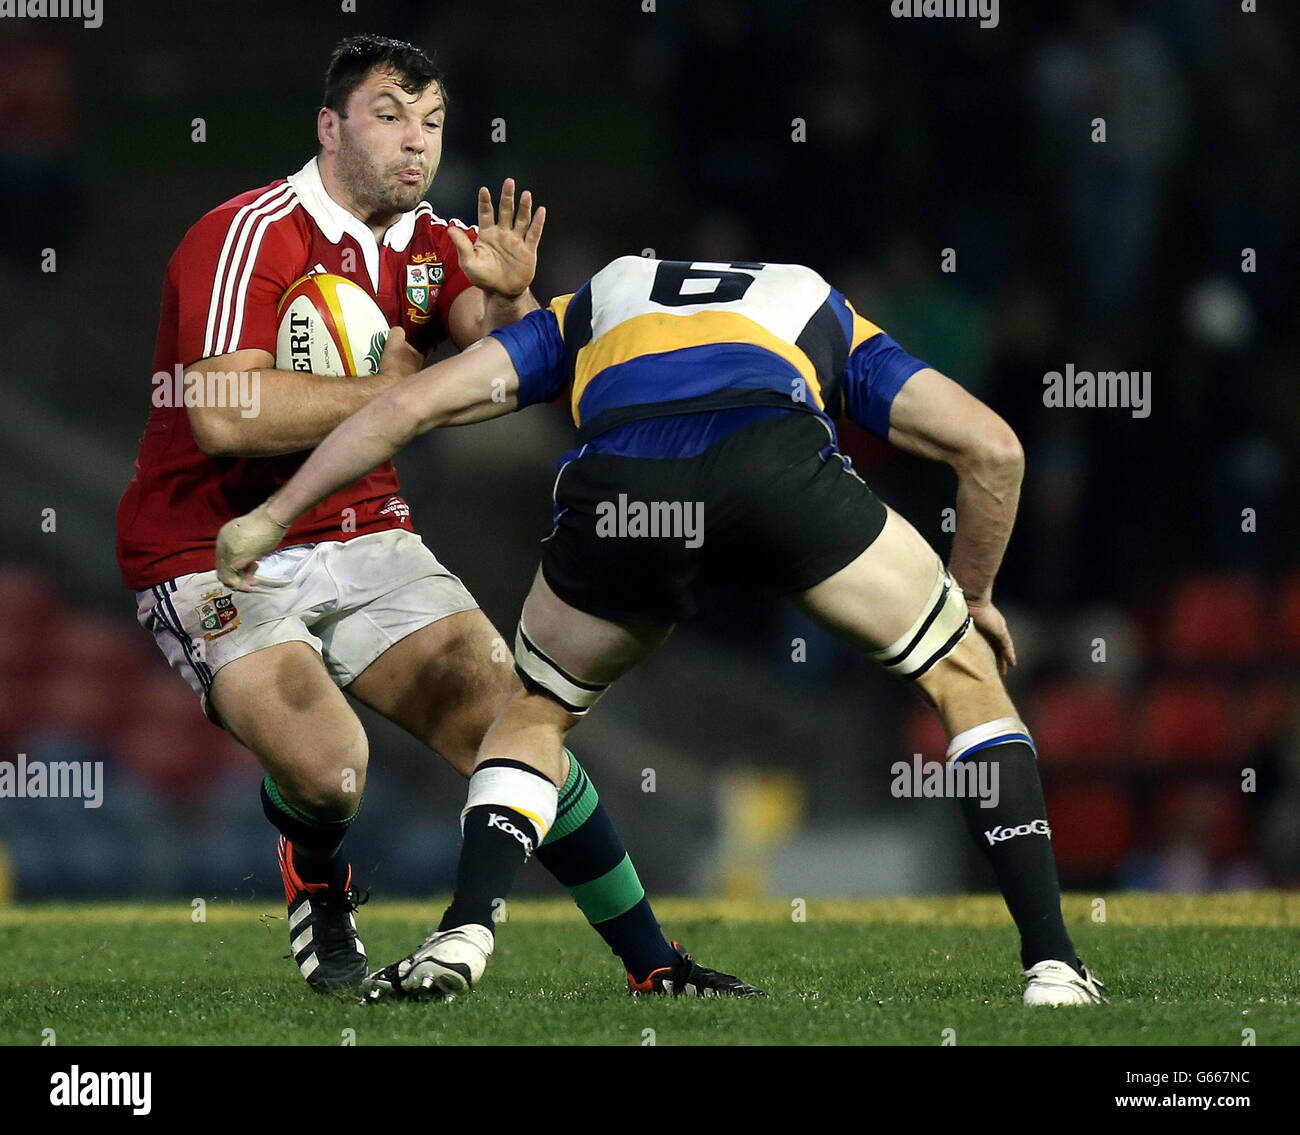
(687, 978)
(322, 927)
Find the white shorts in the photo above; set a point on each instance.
(348, 599)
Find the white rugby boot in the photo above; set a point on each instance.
(448, 964)
(1059, 983)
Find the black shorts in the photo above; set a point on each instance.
(772, 508)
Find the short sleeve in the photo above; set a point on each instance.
(536, 348)
(229, 277)
(876, 371)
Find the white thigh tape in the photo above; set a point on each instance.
(942, 624)
(575, 695)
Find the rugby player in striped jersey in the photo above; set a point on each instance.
(714, 388)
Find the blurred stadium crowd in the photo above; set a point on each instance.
(1152, 581)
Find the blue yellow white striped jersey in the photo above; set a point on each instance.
(652, 339)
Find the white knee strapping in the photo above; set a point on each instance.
(537, 670)
(942, 624)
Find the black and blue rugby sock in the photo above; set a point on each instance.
(1014, 835)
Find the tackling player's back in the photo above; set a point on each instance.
(647, 339)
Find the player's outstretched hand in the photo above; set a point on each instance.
(504, 257)
(989, 622)
(241, 542)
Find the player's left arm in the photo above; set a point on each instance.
(916, 408)
(500, 264)
(935, 417)
(478, 384)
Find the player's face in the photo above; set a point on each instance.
(390, 145)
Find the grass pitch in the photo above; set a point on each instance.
(1182, 970)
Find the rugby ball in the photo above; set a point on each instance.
(329, 326)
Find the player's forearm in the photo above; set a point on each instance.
(475, 386)
(988, 493)
(501, 311)
(478, 384)
(291, 412)
(365, 440)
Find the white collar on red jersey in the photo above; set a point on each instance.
(333, 220)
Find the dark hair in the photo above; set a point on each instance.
(355, 57)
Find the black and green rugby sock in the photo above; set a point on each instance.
(1015, 837)
(315, 842)
(583, 851)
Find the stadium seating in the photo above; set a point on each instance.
(1211, 816)
(1145, 750)
(1190, 723)
(1092, 827)
(1214, 619)
(1082, 725)
(923, 733)
(1289, 617)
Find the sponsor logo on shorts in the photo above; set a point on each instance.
(217, 614)
(495, 821)
(959, 780)
(654, 520)
(1000, 833)
(53, 780)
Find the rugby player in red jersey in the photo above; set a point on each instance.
(353, 599)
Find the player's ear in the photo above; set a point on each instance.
(327, 128)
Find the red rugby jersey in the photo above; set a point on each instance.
(219, 295)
